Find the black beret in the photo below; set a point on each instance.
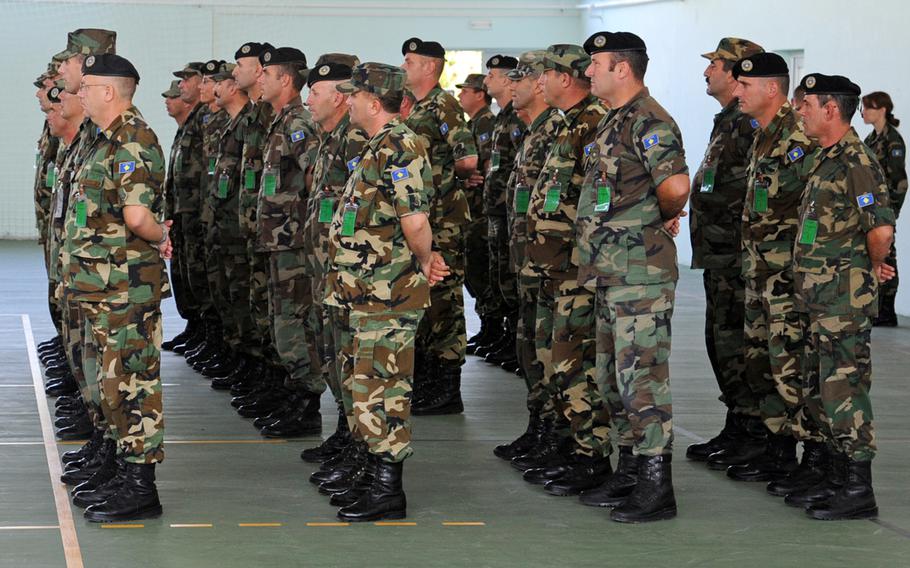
(251, 49)
(613, 41)
(282, 55)
(109, 65)
(328, 71)
(818, 84)
(53, 94)
(765, 64)
(502, 62)
(420, 47)
(212, 67)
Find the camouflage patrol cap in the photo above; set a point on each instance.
(530, 64)
(212, 67)
(567, 58)
(376, 78)
(190, 69)
(820, 84)
(173, 91)
(53, 69)
(733, 49)
(225, 71)
(88, 41)
(331, 67)
(473, 81)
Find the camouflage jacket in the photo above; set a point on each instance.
(290, 150)
(782, 157)
(621, 235)
(553, 206)
(66, 155)
(718, 190)
(107, 262)
(481, 125)
(373, 270)
(225, 194)
(507, 133)
(439, 120)
(189, 164)
(214, 124)
(170, 187)
(45, 159)
(256, 124)
(528, 163)
(338, 155)
(845, 197)
(891, 153)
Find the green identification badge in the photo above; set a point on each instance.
(760, 200)
(211, 166)
(223, 183)
(326, 210)
(269, 182)
(604, 196)
(349, 220)
(522, 199)
(51, 175)
(81, 213)
(551, 202)
(707, 181)
(494, 161)
(249, 179)
(809, 232)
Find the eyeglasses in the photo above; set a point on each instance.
(85, 86)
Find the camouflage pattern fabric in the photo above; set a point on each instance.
(45, 160)
(88, 41)
(477, 253)
(725, 294)
(186, 304)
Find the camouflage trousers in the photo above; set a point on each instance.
(566, 349)
(887, 291)
(477, 267)
(503, 281)
(186, 304)
(773, 343)
(55, 303)
(326, 346)
(258, 301)
(193, 262)
(633, 363)
(218, 264)
(343, 340)
(837, 374)
(83, 368)
(539, 401)
(442, 331)
(725, 297)
(238, 277)
(290, 303)
(381, 380)
(124, 340)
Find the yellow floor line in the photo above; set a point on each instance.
(113, 526)
(30, 528)
(225, 441)
(328, 524)
(71, 551)
(463, 524)
(260, 524)
(394, 524)
(193, 526)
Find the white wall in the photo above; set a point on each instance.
(866, 41)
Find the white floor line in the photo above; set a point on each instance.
(71, 550)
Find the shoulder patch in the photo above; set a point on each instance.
(649, 142)
(865, 200)
(353, 163)
(589, 148)
(484, 136)
(400, 174)
(796, 153)
(126, 167)
(754, 123)
(298, 135)
(516, 133)
(897, 152)
(205, 119)
(444, 128)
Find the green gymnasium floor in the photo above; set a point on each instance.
(233, 499)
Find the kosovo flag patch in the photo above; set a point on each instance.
(126, 167)
(484, 136)
(353, 163)
(754, 123)
(796, 153)
(865, 200)
(444, 128)
(588, 148)
(298, 136)
(400, 174)
(516, 133)
(650, 141)
(897, 152)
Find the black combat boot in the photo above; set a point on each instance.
(487, 325)
(812, 469)
(80, 430)
(63, 386)
(193, 342)
(99, 487)
(182, 337)
(240, 370)
(447, 398)
(384, 499)
(653, 498)
(335, 468)
(854, 500)
(585, 472)
(551, 450)
(524, 443)
(136, 498)
(305, 420)
(617, 487)
(349, 475)
(750, 446)
(359, 485)
(776, 463)
(425, 382)
(833, 481)
(88, 449)
(334, 444)
(507, 352)
(729, 436)
(50, 344)
(80, 471)
(498, 336)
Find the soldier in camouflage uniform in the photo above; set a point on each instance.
(475, 101)
(508, 131)
(339, 153)
(716, 206)
(382, 265)
(115, 239)
(888, 146)
(45, 157)
(782, 157)
(846, 229)
(565, 310)
(288, 156)
(439, 120)
(528, 96)
(635, 187)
